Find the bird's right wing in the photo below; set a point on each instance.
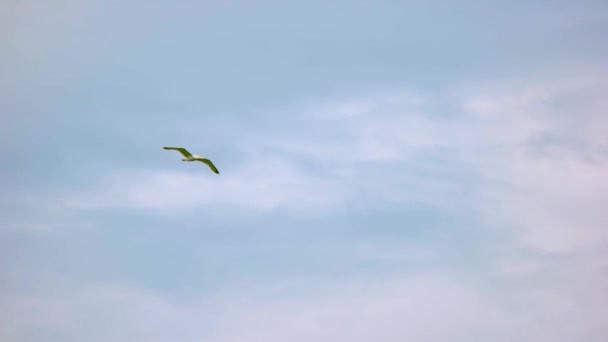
(210, 164)
(181, 150)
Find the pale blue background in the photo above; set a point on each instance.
(106, 237)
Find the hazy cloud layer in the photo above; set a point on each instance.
(526, 153)
(414, 170)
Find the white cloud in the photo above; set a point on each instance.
(429, 307)
(528, 155)
(263, 185)
(41, 213)
(551, 191)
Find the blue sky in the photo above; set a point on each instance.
(390, 171)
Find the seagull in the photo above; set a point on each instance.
(193, 157)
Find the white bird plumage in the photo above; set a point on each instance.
(189, 157)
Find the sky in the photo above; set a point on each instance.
(389, 171)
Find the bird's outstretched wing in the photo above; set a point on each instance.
(209, 163)
(181, 150)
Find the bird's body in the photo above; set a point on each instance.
(189, 157)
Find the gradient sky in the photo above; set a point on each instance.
(390, 171)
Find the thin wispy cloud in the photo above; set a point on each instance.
(387, 309)
(511, 147)
(414, 171)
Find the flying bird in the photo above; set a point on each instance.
(189, 157)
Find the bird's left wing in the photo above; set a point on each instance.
(181, 150)
(209, 163)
